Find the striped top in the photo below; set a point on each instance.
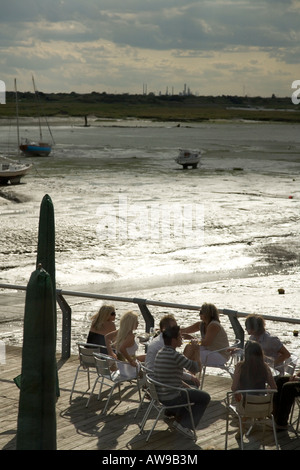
(168, 369)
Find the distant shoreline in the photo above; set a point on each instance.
(181, 109)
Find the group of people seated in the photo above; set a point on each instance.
(182, 369)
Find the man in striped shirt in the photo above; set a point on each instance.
(168, 369)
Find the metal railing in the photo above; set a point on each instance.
(143, 304)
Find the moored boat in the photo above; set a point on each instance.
(12, 172)
(188, 158)
(35, 149)
(40, 148)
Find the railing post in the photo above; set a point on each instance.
(149, 320)
(237, 328)
(66, 325)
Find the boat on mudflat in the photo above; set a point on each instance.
(35, 149)
(188, 158)
(31, 148)
(12, 172)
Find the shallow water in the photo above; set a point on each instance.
(129, 219)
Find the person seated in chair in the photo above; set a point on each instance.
(274, 350)
(213, 337)
(158, 342)
(103, 323)
(124, 342)
(252, 373)
(168, 369)
(288, 388)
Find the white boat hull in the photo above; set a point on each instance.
(12, 172)
(188, 158)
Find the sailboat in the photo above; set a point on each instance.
(12, 171)
(36, 149)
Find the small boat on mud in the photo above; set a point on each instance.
(31, 148)
(188, 158)
(35, 149)
(12, 172)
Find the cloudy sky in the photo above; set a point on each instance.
(215, 47)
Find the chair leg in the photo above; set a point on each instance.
(227, 430)
(202, 377)
(155, 423)
(108, 398)
(297, 420)
(92, 391)
(89, 380)
(75, 379)
(144, 420)
(140, 405)
(274, 432)
(100, 389)
(241, 433)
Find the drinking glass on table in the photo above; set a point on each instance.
(151, 332)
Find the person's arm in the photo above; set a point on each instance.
(211, 332)
(185, 332)
(270, 379)
(109, 338)
(283, 355)
(127, 343)
(192, 363)
(236, 377)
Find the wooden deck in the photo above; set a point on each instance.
(81, 428)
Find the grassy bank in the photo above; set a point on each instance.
(173, 108)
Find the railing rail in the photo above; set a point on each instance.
(143, 304)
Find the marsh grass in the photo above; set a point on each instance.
(163, 108)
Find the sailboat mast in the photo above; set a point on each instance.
(37, 98)
(17, 114)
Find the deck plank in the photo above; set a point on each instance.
(81, 428)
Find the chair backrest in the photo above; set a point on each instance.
(145, 370)
(86, 352)
(152, 388)
(257, 403)
(104, 365)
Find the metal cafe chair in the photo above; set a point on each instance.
(86, 362)
(109, 374)
(143, 385)
(256, 407)
(228, 366)
(157, 405)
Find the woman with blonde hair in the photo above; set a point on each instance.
(103, 323)
(124, 342)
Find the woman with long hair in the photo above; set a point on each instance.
(124, 343)
(252, 373)
(213, 336)
(103, 322)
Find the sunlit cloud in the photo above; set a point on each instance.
(215, 46)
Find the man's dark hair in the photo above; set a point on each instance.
(171, 333)
(166, 321)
